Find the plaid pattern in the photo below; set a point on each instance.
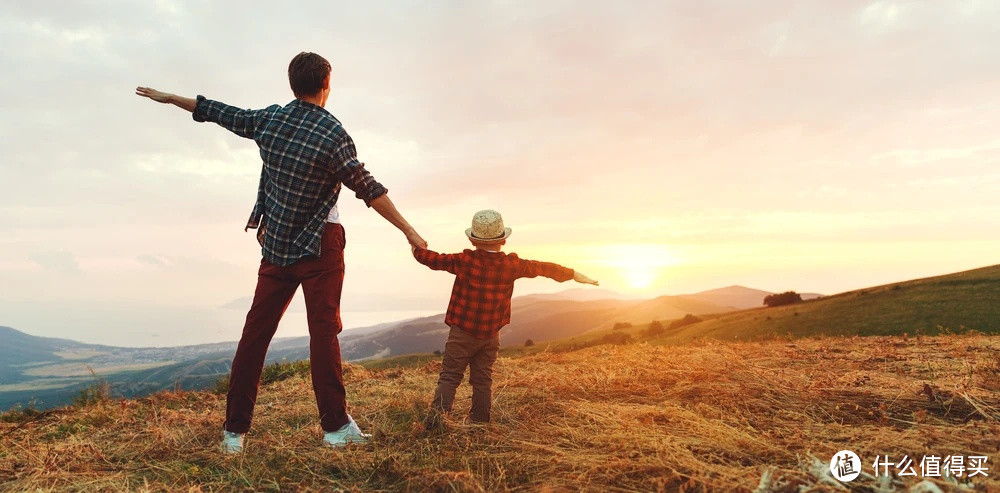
(484, 284)
(307, 154)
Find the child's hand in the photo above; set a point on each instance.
(415, 240)
(580, 278)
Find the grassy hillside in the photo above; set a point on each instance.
(956, 302)
(710, 416)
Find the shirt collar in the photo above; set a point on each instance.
(306, 104)
(485, 252)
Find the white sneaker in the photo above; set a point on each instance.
(232, 443)
(349, 433)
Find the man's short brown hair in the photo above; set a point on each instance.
(306, 73)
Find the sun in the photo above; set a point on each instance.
(640, 265)
(639, 277)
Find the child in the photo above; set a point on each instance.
(479, 307)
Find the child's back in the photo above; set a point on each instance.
(479, 308)
(484, 284)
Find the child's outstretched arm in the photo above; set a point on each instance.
(436, 261)
(556, 272)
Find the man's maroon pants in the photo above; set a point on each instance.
(322, 280)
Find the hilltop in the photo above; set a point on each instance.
(953, 302)
(739, 297)
(705, 416)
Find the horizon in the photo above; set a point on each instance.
(665, 147)
(295, 316)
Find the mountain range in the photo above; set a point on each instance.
(51, 371)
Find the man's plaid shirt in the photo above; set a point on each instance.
(307, 154)
(484, 284)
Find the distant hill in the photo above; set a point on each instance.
(19, 352)
(531, 318)
(18, 348)
(740, 297)
(737, 297)
(577, 294)
(965, 300)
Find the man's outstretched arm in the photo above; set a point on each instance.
(387, 209)
(167, 98)
(238, 121)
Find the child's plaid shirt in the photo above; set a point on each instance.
(484, 284)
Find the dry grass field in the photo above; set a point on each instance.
(705, 416)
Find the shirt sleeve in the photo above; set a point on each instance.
(437, 261)
(352, 173)
(238, 121)
(533, 268)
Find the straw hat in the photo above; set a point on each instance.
(487, 227)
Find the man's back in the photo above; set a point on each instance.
(307, 154)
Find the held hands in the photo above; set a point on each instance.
(580, 278)
(415, 240)
(158, 96)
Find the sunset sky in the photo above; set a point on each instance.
(659, 147)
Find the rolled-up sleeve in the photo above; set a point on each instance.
(238, 121)
(352, 173)
(437, 261)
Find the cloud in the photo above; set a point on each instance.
(56, 261)
(154, 260)
(882, 15)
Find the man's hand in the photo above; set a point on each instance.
(415, 240)
(158, 96)
(580, 278)
(165, 97)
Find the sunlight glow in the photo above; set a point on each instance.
(640, 277)
(640, 265)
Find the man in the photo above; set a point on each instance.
(307, 155)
